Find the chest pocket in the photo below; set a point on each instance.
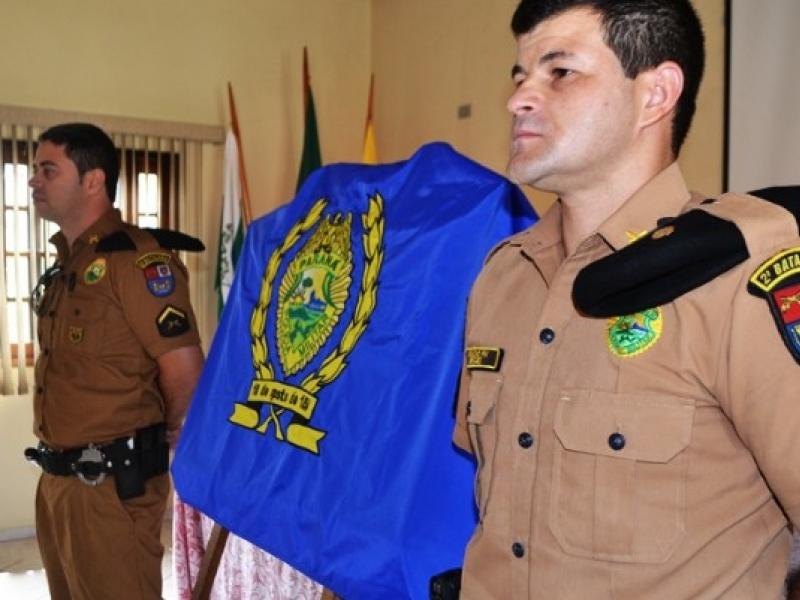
(484, 390)
(619, 475)
(82, 327)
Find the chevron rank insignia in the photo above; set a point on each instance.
(483, 358)
(172, 322)
(778, 281)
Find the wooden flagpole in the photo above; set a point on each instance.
(242, 172)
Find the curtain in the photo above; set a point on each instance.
(168, 178)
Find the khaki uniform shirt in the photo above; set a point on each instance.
(103, 322)
(668, 473)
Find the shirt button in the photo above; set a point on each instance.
(547, 335)
(616, 441)
(518, 549)
(46, 351)
(52, 313)
(525, 439)
(39, 390)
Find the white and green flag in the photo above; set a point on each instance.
(231, 227)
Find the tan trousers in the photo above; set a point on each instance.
(96, 547)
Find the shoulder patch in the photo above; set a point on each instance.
(483, 358)
(777, 280)
(157, 274)
(172, 322)
(176, 240)
(117, 241)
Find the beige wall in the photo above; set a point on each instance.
(701, 158)
(171, 60)
(432, 56)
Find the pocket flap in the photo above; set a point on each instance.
(655, 428)
(484, 389)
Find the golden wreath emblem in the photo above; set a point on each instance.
(312, 296)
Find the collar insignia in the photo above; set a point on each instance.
(633, 235)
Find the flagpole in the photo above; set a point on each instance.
(369, 152)
(219, 534)
(306, 80)
(243, 174)
(369, 103)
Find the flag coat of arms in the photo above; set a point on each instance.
(321, 426)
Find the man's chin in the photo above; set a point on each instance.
(522, 172)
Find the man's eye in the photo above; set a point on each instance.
(560, 73)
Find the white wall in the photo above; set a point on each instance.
(764, 147)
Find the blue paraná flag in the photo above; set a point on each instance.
(321, 426)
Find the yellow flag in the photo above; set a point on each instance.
(370, 153)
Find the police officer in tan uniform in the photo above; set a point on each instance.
(631, 376)
(119, 360)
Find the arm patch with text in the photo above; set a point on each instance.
(778, 281)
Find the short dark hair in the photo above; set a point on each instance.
(89, 147)
(642, 34)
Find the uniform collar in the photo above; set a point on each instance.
(109, 222)
(663, 196)
(544, 234)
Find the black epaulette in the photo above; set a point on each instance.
(115, 242)
(786, 196)
(670, 261)
(166, 238)
(176, 240)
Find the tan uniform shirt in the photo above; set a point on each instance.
(653, 475)
(104, 320)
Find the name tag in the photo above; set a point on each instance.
(483, 358)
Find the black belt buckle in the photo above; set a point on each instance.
(34, 455)
(90, 466)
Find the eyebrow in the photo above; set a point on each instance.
(546, 58)
(553, 55)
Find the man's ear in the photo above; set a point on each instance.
(94, 181)
(662, 87)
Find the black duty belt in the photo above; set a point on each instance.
(131, 459)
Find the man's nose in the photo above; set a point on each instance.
(524, 100)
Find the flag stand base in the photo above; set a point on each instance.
(210, 564)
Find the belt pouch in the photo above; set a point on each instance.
(128, 472)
